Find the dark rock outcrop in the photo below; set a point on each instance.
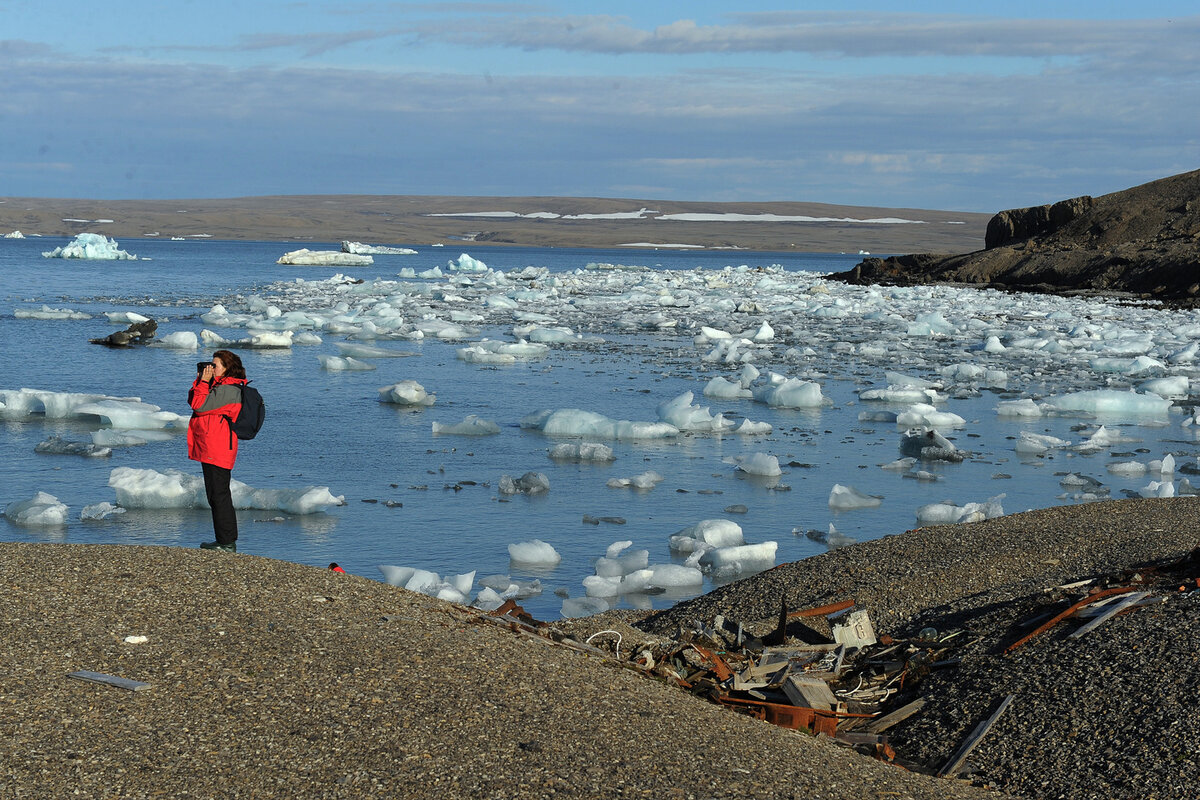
(137, 333)
(1143, 241)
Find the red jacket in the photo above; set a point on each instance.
(210, 438)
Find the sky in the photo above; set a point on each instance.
(943, 105)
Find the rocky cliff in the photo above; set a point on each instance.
(1143, 241)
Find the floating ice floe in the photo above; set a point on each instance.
(1172, 387)
(1038, 443)
(924, 415)
(687, 416)
(324, 258)
(846, 498)
(581, 451)
(179, 340)
(48, 313)
(762, 464)
(56, 445)
(126, 317)
(645, 481)
(453, 589)
(357, 350)
(472, 425)
(948, 513)
(534, 552)
(529, 483)
(148, 488)
(360, 249)
(344, 364)
(268, 340)
(579, 423)
(406, 393)
(707, 533)
(466, 263)
(99, 511)
(43, 510)
(91, 246)
(1111, 402)
(929, 445)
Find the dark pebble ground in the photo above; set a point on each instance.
(271, 679)
(276, 680)
(1114, 714)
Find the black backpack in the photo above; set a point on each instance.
(250, 418)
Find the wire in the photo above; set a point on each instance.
(588, 640)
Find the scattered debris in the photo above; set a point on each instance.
(111, 680)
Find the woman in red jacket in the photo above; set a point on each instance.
(216, 399)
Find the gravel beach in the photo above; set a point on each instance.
(271, 679)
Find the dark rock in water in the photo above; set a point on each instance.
(1143, 242)
(137, 333)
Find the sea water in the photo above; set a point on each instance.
(431, 501)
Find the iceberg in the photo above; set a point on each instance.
(92, 246)
(686, 416)
(344, 364)
(763, 464)
(529, 483)
(707, 533)
(947, 513)
(360, 249)
(645, 481)
(324, 258)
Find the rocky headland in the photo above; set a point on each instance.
(1142, 242)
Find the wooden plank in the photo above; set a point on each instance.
(110, 680)
(1111, 611)
(810, 693)
(895, 717)
(954, 765)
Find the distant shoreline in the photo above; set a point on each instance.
(507, 221)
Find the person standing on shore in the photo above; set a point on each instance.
(216, 399)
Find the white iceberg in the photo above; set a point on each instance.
(324, 258)
(472, 425)
(40, 511)
(406, 393)
(93, 246)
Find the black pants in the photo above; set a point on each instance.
(216, 488)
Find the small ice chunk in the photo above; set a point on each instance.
(534, 552)
(93, 246)
(645, 481)
(581, 451)
(406, 393)
(472, 425)
(845, 498)
(674, 576)
(40, 511)
(710, 532)
(757, 464)
(100, 511)
(179, 340)
(343, 364)
(529, 483)
(574, 607)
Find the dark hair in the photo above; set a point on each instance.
(233, 364)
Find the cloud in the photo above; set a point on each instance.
(860, 34)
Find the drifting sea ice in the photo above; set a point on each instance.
(179, 340)
(763, 464)
(1112, 402)
(56, 445)
(581, 451)
(739, 559)
(576, 422)
(357, 350)
(472, 425)
(101, 510)
(148, 488)
(645, 481)
(131, 414)
(406, 393)
(40, 511)
(453, 589)
(358, 248)
(529, 483)
(707, 533)
(947, 513)
(341, 364)
(846, 498)
(324, 258)
(48, 313)
(781, 392)
(686, 416)
(534, 552)
(91, 246)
